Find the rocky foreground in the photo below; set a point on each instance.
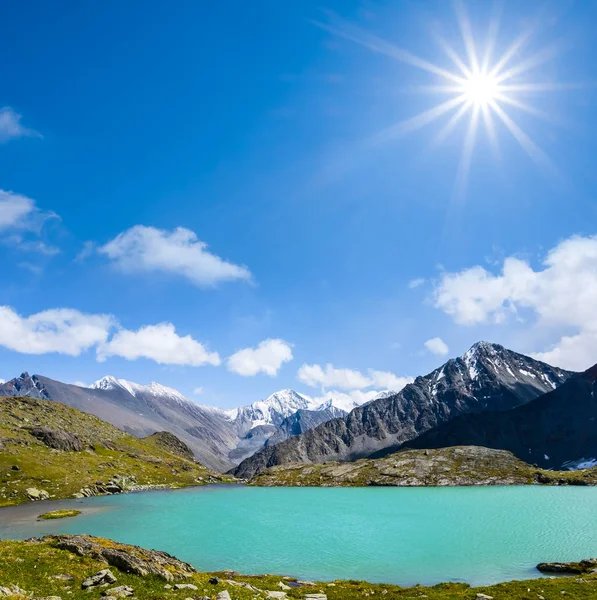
(49, 450)
(457, 466)
(65, 567)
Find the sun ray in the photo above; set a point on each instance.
(447, 129)
(419, 120)
(467, 35)
(492, 34)
(376, 44)
(546, 87)
(490, 127)
(540, 114)
(541, 57)
(451, 54)
(522, 138)
(467, 154)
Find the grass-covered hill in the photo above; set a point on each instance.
(48, 449)
(58, 567)
(459, 465)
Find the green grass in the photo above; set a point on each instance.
(26, 462)
(59, 514)
(33, 567)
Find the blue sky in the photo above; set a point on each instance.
(255, 127)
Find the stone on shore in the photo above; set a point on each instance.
(105, 576)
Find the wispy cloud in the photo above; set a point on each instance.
(11, 127)
(415, 283)
(437, 346)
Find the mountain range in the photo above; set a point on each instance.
(220, 439)
(486, 378)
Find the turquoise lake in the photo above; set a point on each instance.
(392, 535)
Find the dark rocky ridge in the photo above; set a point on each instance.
(487, 378)
(550, 431)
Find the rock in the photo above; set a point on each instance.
(483, 597)
(224, 595)
(35, 494)
(122, 591)
(185, 586)
(49, 598)
(130, 559)
(13, 590)
(167, 587)
(570, 568)
(15, 468)
(63, 577)
(279, 595)
(316, 597)
(283, 586)
(214, 580)
(57, 439)
(102, 577)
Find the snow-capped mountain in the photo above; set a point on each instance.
(488, 377)
(154, 389)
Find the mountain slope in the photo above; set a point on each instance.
(140, 411)
(487, 378)
(219, 439)
(47, 446)
(553, 431)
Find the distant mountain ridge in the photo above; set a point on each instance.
(488, 377)
(219, 438)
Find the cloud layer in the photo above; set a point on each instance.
(266, 358)
(177, 252)
(562, 296)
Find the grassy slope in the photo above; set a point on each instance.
(460, 465)
(32, 566)
(109, 451)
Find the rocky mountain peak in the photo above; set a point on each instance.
(24, 385)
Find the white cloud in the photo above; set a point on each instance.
(388, 381)
(160, 343)
(415, 283)
(437, 346)
(86, 251)
(10, 126)
(349, 379)
(562, 295)
(266, 358)
(2, 381)
(179, 252)
(15, 210)
(345, 379)
(346, 400)
(198, 390)
(61, 330)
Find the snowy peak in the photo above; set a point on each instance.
(24, 385)
(153, 389)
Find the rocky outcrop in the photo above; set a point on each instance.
(35, 494)
(487, 378)
(588, 565)
(169, 442)
(554, 431)
(126, 558)
(457, 466)
(57, 439)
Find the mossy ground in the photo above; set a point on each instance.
(59, 514)
(33, 567)
(26, 462)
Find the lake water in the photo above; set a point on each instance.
(391, 535)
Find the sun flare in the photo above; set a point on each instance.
(485, 88)
(481, 89)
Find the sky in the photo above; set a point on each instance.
(233, 198)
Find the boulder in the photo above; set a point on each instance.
(214, 580)
(122, 591)
(126, 558)
(483, 597)
(35, 494)
(185, 586)
(57, 439)
(225, 595)
(105, 576)
(588, 565)
(278, 595)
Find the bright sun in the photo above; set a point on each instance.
(481, 85)
(481, 89)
